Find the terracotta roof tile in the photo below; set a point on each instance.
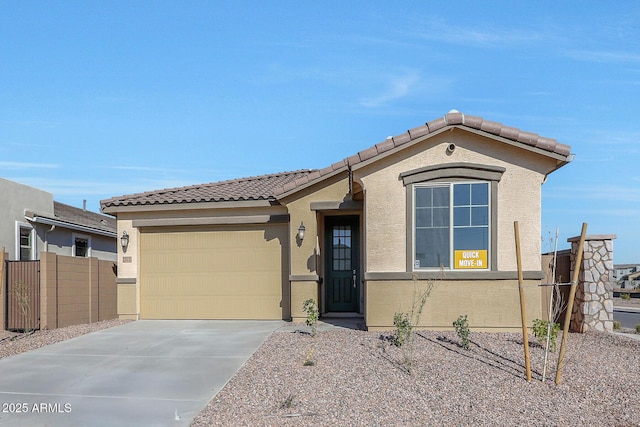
(454, 118)
(314, 174)
(268, 187)
(509, 132)
(339, 165)
(253, 188)
(419, 131)
(403, 138)
(491, 127)
(353, 160)
(528, 138)
(473, 121)
(301, 181)
(385, 145)
(563, 149)
(436, 124)
(325, 171)
(546, 143)
(368, 153)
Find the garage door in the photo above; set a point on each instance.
(232, 272)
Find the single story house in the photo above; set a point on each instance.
(436, 204)
(31, 222)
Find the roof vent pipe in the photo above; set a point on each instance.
(84, 205)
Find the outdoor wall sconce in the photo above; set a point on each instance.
(301, 230)
(124, 241)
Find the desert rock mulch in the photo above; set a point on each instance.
(360, 379)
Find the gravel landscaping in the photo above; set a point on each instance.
(358, 378)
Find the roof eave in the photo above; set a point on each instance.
(553, 155)
(399, 148)
(561, 159)
(312, 183)
(115, 209)
(72, 226)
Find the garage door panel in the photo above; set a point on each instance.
(225, 263)
(223, 273)
(228, 308)
(227, 284)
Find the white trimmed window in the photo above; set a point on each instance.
(81, 246)
(451, 225)
(25, 242)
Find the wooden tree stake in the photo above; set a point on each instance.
(572, 296)
(523, 309)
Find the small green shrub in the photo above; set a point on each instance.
(626, 296)
(23, 299)
(308, 361)
(540, 328)
(462, 329)
(616, 325)
(311, 308)
(638, 329)
(402, 322)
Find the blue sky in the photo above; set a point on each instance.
(100, 99)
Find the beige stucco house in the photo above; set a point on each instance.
(434, 204)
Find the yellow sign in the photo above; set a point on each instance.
(470, 259)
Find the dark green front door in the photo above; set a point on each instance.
(342, 263)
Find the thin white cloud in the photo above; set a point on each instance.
(597, 193)
(145, 169)
(103, 189)
(440, 30)
(12, 145)
(26, 165)
(603, 56)
(614, 212)
(398, 87)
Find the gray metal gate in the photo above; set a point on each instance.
(22, 296)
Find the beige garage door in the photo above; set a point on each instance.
(213, 273)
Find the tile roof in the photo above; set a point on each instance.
(269, 187)
(453, 118)
(253, 188)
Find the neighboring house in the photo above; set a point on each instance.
(31, 222)
(627, 276)
(620, 270)
(434, 204)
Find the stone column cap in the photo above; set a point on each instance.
(593, 237)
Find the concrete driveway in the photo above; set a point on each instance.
(144, 373)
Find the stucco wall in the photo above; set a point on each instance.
(300, 292)
(303, 259)
(490, 305)
(519, 197)
(60, 241)
(16, 198)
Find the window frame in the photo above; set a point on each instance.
(24, 226)
(450, 185)
(78, 236)
(453, 173)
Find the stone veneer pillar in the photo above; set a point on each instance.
(593, 305)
